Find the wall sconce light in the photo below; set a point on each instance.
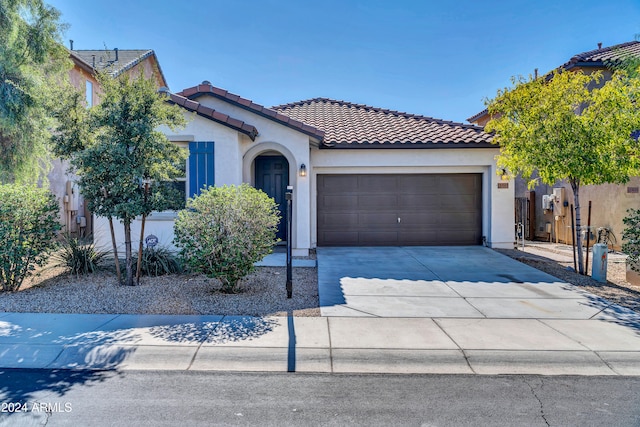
(504, 175)
(303, 170)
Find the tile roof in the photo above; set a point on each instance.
(207, 89)
(211, 114)
(348, 125)
(604, 57)
(105, 60)
(601, 57)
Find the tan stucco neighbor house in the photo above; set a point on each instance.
(610, 202)
(361, 176)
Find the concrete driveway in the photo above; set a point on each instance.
(445, 282)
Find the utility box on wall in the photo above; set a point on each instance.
(559, 201)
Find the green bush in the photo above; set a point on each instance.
(631, 237)
(28, 227)
(225, 230)
(158, 262)
(77, 255)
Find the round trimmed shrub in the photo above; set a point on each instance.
(225, 230)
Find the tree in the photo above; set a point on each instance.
(28, 227)
(568, 126)
(32, 60)
(225, 230)
(122, 160)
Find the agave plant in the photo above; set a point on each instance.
(158, 261)
(78, 255)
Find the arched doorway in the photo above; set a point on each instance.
(272, 177)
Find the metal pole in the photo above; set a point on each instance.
(586, 268)
(573, 242)
(289, 197)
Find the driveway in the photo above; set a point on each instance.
(445, 282)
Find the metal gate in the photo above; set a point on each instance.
(522, 218)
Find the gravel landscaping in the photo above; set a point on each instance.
(263, 292)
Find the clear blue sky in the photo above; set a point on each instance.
(436, 58)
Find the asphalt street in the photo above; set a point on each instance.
(169, 398)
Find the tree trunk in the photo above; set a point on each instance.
(115, 250)
(575, 186)
(140, 250)
(127, 248)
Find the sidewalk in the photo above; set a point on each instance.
(600, 346)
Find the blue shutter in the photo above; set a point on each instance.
(201, 173)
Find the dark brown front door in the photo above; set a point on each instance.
(393, 210)
(272, 177)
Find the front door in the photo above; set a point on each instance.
(272, 177)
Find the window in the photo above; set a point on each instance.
(197, 173)
(88, 93)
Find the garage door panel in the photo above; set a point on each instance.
(339, 202)
(344, 182)
(338, 220)
(458, 219)
(418, 184)
(377, 201)
(434, 209)
(378, 219)
(418, 201)
(378, 238)
(417, 220)
(466, 202)
(347, 238)
(422, 238)
(377, 183)
(457, 237)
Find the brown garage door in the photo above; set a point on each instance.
(391, 210)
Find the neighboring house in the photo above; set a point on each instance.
(361, 176)
(86, 65)
(609, 201)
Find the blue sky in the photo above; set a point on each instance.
(435, 58)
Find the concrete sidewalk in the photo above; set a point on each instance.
(599, 346)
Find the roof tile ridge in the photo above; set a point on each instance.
(298, 103)
(584, 55)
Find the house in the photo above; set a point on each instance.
(360, 175)
(610, 202)
(86, 65)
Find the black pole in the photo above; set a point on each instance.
(289, 197)
(573, 241)
(586, 267)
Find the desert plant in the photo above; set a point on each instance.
(158, 262)
(78, 255)
(631, 237)
(225, 230)
(28, 227)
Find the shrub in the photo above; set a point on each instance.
(77, 255)
(225, 230)
(157, 262)
(28, 227)
(631, 237)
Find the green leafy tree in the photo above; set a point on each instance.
(28, 227)
(118, 152)
(569, 126)
(32, 62)
(225, 230)
(631, 236)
